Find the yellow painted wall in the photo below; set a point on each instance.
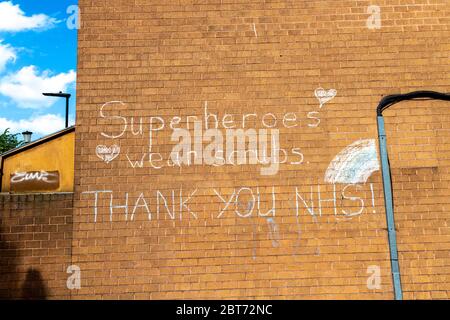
(54, 155)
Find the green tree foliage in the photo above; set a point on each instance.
(9, 141)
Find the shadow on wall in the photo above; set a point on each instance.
(34, 287)
(8, 262)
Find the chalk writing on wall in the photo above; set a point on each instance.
(325, 96)
(208, 139)
(174, 204)
(107, 154)
(217, 140)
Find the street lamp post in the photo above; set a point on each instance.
(61, 95)
(27, 136)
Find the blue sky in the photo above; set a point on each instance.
(38, 52)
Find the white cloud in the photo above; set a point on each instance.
(26, 86)
(7, 53)
(13, 19)
(40, 125)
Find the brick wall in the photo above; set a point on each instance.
(145, 227)
(420, 167)
(35, 245)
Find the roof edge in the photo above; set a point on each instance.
(37, 142)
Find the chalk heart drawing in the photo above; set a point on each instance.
(108, 154)
(325, 96)
(355, 164)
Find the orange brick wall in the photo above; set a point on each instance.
(420, 162)
(154, 231)
(35, 245)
